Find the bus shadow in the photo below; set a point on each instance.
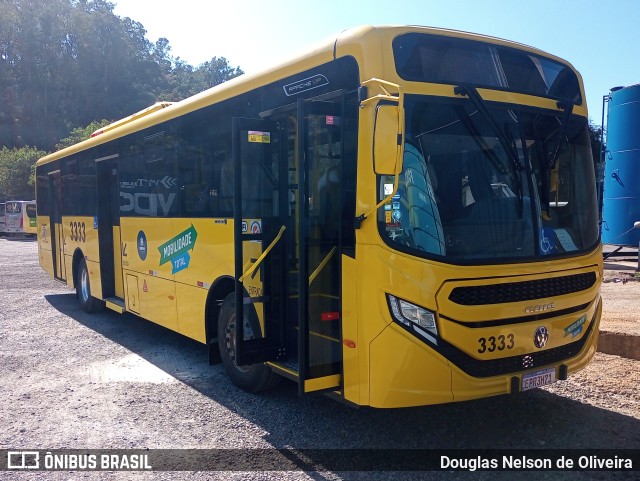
(533, 420)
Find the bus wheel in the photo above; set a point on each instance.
(83, 290)
(254, 378)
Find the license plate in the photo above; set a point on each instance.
(538, 378)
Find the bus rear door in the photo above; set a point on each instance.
(108, 221)
(55, 223)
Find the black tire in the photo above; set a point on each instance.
(254, 378)
(83, 290)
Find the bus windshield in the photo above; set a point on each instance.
(14, 207)
(509, 182)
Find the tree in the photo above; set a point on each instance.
(66, 63)
(17, 172)
(184, 81)
(216, 71)
(81, 133)
(595, 137)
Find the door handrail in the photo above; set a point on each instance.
(264, 254)
(324, 262)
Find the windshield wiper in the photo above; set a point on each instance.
(479, 103)
(506, 143)
(567, 109)
(549, 158)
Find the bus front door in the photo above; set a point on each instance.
(260, 186)
(318, 209)
(287, 205)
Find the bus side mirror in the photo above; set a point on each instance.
(387, 140)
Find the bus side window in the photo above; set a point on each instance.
(226, 187)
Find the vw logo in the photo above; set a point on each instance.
(541, 337)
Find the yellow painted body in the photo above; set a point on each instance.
(383, 365)
(20, 222)
(392, 378)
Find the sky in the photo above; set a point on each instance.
(600, 38)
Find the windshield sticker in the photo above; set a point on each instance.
(303, 85)
(565, 240)
(548, 241)
(256, 136)
(388, 189)
(575, 328)
(332, 120)
(177, 250)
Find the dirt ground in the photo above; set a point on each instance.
(620, 324)
(621, 292)
(71, 380)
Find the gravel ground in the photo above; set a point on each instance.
(70, 380)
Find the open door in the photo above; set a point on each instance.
(287, 214)
(260, 187)
(319, 213)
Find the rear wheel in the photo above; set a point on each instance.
(254, 378)
(83, 290)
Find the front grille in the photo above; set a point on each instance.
(514, 364)
(522, 291)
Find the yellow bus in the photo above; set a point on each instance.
(20, 217)
(400, 216)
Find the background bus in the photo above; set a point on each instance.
(2, 217)
(401, 216)
(20, 217)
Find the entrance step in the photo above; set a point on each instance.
(115, 304)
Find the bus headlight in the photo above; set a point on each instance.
(416, 318)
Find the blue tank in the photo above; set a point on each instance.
(621, 204)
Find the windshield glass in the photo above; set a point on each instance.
(471, 194)
(438, 59)
(13, 207)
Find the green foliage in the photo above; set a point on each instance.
(17, 172)
(65, 63)
(81, 133)
(595, 136)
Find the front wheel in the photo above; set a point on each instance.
(254, 378)
(83, 290)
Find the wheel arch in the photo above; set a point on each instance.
(220, 289)
(78, 255)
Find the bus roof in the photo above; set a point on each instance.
(142, 113)
(329, 49)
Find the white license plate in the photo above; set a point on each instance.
(538, 378)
